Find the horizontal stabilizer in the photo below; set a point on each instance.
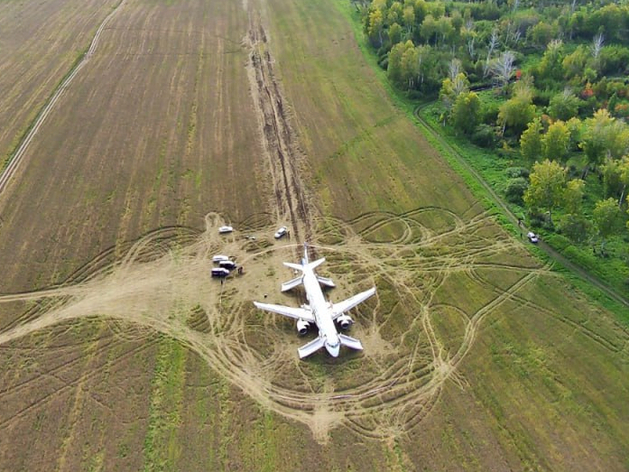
(296, 313)
(312, 347)
(298, 267)
(340, 308)
(325, 281)
(310, 265)
(350, 342)
(291, 283)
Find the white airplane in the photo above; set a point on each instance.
(319, 311)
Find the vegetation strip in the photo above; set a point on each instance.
(160, 448)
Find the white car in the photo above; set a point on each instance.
(532, 237)
(281, 232)
(219, 258)
(229, 265)
(225, 229)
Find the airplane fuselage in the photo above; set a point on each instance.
(322, 311)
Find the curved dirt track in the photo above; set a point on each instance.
(162, 284)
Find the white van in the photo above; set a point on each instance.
(220, 272)
(219, 258)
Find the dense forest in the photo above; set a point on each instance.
(540, 86)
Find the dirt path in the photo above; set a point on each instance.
(14, 162)
(555, 255)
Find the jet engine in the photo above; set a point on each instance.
(302, 327)
(344, 321)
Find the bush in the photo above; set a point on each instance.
(484, 136)
(515, 189)
(489, 112)
(614, 60)
(540, 220)
(515, 172)
(575, 227)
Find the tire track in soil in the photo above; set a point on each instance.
(284, 158)
(16, 415)
(160, 287)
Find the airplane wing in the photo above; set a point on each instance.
(350, 342)
(292, 283)
(296, 313)
(312, 347)
(340, 308)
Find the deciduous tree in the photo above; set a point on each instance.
(573, 196)
(465, 112)
(518, 111)
(546, 188)
(503, 68)
(564, 105)
(556, 141)
(606, 217)
(604, 136)
(531, 141)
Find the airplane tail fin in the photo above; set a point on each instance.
(312, 347)
(304, 261)
(350, 342)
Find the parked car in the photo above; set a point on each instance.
(229, 265)
(532, 237)
(220, 272)
(219, 258)
(283, 231)
(225, 229)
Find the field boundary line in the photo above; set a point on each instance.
(498, 201)
(17, 156)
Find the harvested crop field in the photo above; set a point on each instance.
(118, 352)
(39, 45)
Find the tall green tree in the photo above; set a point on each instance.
(564, 105)
(395, 34)
(573, 196)
(550, 70)
(606, 218)
(410, 66)
(408, 16)
(452, 88)
(396, 69)
(596, 138)
(531, 141)
(556, 141)
(610, 170)
(465, 112)
(375, 26)
(547, 185)
(518, 111)
(623, 166)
